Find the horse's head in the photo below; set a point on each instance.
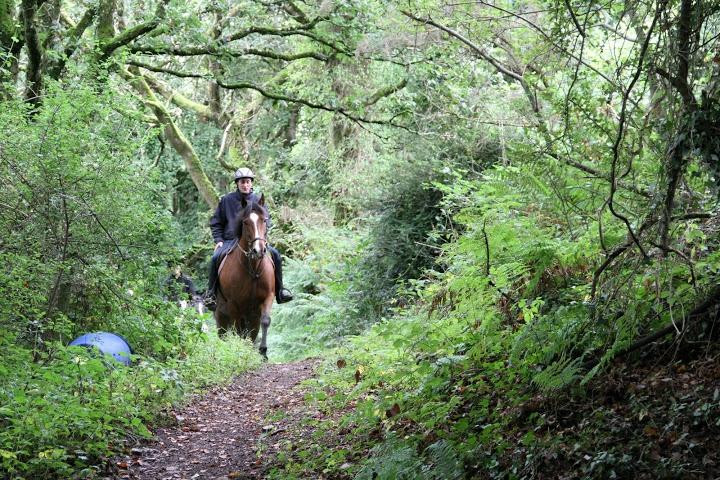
(252, 227)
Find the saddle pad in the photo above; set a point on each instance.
(225, 256)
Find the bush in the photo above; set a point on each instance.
(84, 246)
(63, 413)
(404, 239)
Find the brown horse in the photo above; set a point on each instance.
(247, 279)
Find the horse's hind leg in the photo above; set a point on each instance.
(264, 325)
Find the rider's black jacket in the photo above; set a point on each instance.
(181, 284)
(222, 223)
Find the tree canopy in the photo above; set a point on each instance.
(507, 195)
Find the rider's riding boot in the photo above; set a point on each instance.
(282, 295)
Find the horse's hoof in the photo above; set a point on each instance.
(263, 352)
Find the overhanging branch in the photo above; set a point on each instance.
(540, 121)
(473, 46)
(130, 34)
(385, 92)
(168, 71)
(223, 51)
(308, 103)
(303, 30)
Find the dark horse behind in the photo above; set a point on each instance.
(247, 279)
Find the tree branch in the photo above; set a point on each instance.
(710, 301)
(540, 122)
(169, 71)
(222, 51)
(549, 39)
(82, 25)
(676, 163)
(596, 173)
(73, 41)
(574, 18)
(307, 103)
(385, 92)
(615, 253)
(692, 216)
(178, 99)
(680, 85)
(302, 30)
(176, 137)
(132, 33)
(65, 18)
(621, 127)
(295, 12)
(476, 48)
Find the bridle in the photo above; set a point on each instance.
(254, 264)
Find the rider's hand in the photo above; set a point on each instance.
(218, 245)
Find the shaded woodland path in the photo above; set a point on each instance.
(229, 433)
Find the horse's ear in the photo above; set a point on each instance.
(262, 200)
(243, 202)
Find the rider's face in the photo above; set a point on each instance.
(244, 185)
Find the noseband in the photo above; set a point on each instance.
(254, 264)
(251, 254)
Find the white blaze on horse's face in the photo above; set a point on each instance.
(257, 248)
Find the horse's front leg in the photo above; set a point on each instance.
(222, 321)
(265, 324)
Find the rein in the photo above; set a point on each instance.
(249, 256)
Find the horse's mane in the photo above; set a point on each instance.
(252, 206)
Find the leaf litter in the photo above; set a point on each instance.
(220, 435)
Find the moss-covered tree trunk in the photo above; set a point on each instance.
(33, 70)
(177, 139)
(10, 46)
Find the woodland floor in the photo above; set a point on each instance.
(656, 418)
(232, 432)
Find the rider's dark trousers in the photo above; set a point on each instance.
(213, 272)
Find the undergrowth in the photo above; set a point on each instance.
(64, 411)
(463, 381)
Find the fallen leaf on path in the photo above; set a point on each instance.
(394, 410)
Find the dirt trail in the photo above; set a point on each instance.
(218, 435)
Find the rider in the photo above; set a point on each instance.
(222, 225)
(179, 286)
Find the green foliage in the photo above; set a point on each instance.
(79, 211)
(322, 314)
(66, 410)
(543, 205)
(508, 318)
(400, 244)
(398, 459)
(86, 249)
